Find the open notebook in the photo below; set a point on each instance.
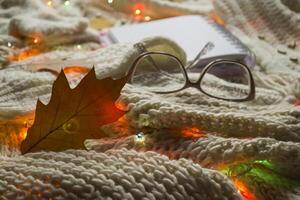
(190, 32)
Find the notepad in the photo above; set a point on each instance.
(190, 32)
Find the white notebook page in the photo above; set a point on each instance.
(190, 32)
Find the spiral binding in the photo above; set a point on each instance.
(228, 36)
(233, 40)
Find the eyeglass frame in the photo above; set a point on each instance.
(197, 84)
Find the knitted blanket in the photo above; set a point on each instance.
(195, 147)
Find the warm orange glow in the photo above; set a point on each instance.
(24, 54)
(122, 128)
(220, 166)
(36, 40)
(76, 69)
(23, 134)
(27, 123)
(138, 9)
(223, 165)
(216, 18)
(193, 132)
(76, 73)
(245, 192)
(15, 130)
(121, 106)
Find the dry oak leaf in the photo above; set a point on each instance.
(73, 115)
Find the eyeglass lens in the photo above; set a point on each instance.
(227, 80)
(158, 73)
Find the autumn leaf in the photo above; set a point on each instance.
(73, 115)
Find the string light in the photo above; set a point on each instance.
(147, 18)
(9, 44)
(67, 3)
(138, 9)
(36, 40)
(110, 1)
(78, 46)
(140, 138)
(49, 3)
(137, 12)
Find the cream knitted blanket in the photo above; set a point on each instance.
(263, 134)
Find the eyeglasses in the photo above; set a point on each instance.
(164, 73)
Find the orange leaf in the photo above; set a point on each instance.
(74, 115)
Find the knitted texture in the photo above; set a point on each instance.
(272, 19)
(215, 152)
(149, 110)
(266, 26)
(163, 8)
(61, 25)
(269, 115)
(116, 174)
(206, 150)
(22, 82)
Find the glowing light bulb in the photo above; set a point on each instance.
(139, 135)
(36, 40)
(140, 138)
(23, 135)
(137, 12)
(147, 18)
(9, 44)
(78, 46)
(67, 3)
(49, 3)
(110, 1)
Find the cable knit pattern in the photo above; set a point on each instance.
(20, 89)
(19, 95)
(271, 17)
(266, 26)
(116, 174)
(267, 116)
(210, 151)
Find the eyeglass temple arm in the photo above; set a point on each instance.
(142, 49)
(208, 47)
